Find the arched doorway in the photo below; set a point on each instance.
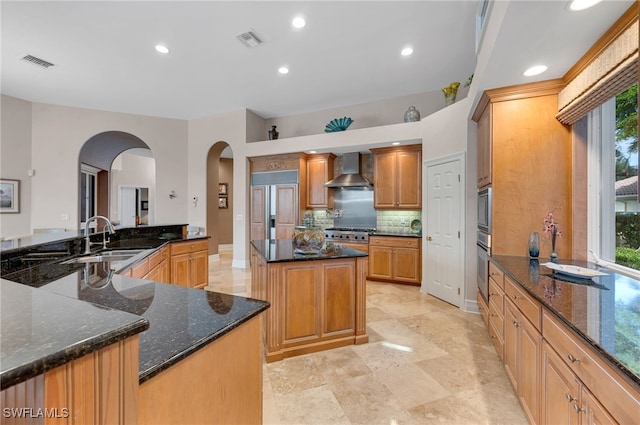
(219, 197)
(95, 161)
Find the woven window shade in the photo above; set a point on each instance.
(610, 73)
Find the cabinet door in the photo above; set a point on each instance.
(529, 374)
(511, 342)
(406, 265)
(384, 175)
(286, 210)
(301, 312)
(199, 269)
(593, 411)
(258, 212)
(408, 189)
(560, 390)
(180, 266)
(484, 148)
(339, 294)
(319, 171)
(380, 262)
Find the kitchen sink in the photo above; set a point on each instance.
(110, 256)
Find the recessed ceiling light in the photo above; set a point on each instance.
(407, 51)
(577, 5)
(395, 143)
(313, 151)
(298, 22)
(535, 70)
(162, 49)
(283, 70)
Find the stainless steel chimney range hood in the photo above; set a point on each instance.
(351, 173)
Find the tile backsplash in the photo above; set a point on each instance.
(386, 221)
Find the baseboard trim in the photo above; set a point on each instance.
(471, 306)
(214, 257)
(240, 264)
(228, 246)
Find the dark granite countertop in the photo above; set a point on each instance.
(180, 320)
(605, 310)
(397, 234)
(281, 250)
(41, 331)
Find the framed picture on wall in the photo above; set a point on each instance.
(223, 202)
(223, 189)
(9, 196)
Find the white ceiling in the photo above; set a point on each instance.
(348, 53)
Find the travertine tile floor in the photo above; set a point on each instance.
(426, 362)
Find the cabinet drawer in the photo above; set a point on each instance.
(140, 269)
(496, 274)
(496, 297)
(527, 305)
(497, 338)
(155, 259)
(407, 242)
(619, 398)
(483, 307)
(496, 319)
(178, 248)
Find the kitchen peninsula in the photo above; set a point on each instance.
(160, 353)
(317, 301)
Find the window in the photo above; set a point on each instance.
(614, 210)
(88, 193)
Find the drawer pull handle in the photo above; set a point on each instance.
(515, 297)
(573, 359)
(577, 408)
(571, 398)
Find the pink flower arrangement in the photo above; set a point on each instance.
(550, 225)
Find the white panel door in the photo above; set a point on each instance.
(443, 263)
(127, 206)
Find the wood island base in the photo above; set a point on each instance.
(315, 304)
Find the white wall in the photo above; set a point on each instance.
(58, 133)
(130, 170)
(15, 160)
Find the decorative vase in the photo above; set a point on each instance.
(412, 114)
(450, 93)
(273, 133)
(553, 256)
(534, 245)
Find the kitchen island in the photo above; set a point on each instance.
(317, 301)
(198, 361)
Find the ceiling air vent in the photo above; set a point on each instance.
(249, 39)
(37, 61)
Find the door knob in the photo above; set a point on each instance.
(429, 238)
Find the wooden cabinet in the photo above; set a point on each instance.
(396, 259)
(190, 263)
(484, 147)
(522, 348)
(319, 171)
(496, 308)
(483, 307)
(602, 396)
(524, 149)
(397, 173)
(315, 305)
(159, 266)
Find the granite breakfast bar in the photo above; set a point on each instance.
(194, 356)
(317, 301)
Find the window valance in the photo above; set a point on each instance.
(613, 69)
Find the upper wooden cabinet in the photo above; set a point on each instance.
(525, 155)
(397, 177)
(319, 171)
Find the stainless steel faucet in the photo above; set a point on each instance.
(108, 228)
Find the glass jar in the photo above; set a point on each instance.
(307, 240)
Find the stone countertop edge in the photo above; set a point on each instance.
(606, 355)
(283, 252)
(129, 325)
(396, 234)
(154, 370)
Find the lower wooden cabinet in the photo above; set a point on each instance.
(190, 263)
(159, 266)
(395, 259)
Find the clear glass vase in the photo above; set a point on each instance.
(534, 245)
